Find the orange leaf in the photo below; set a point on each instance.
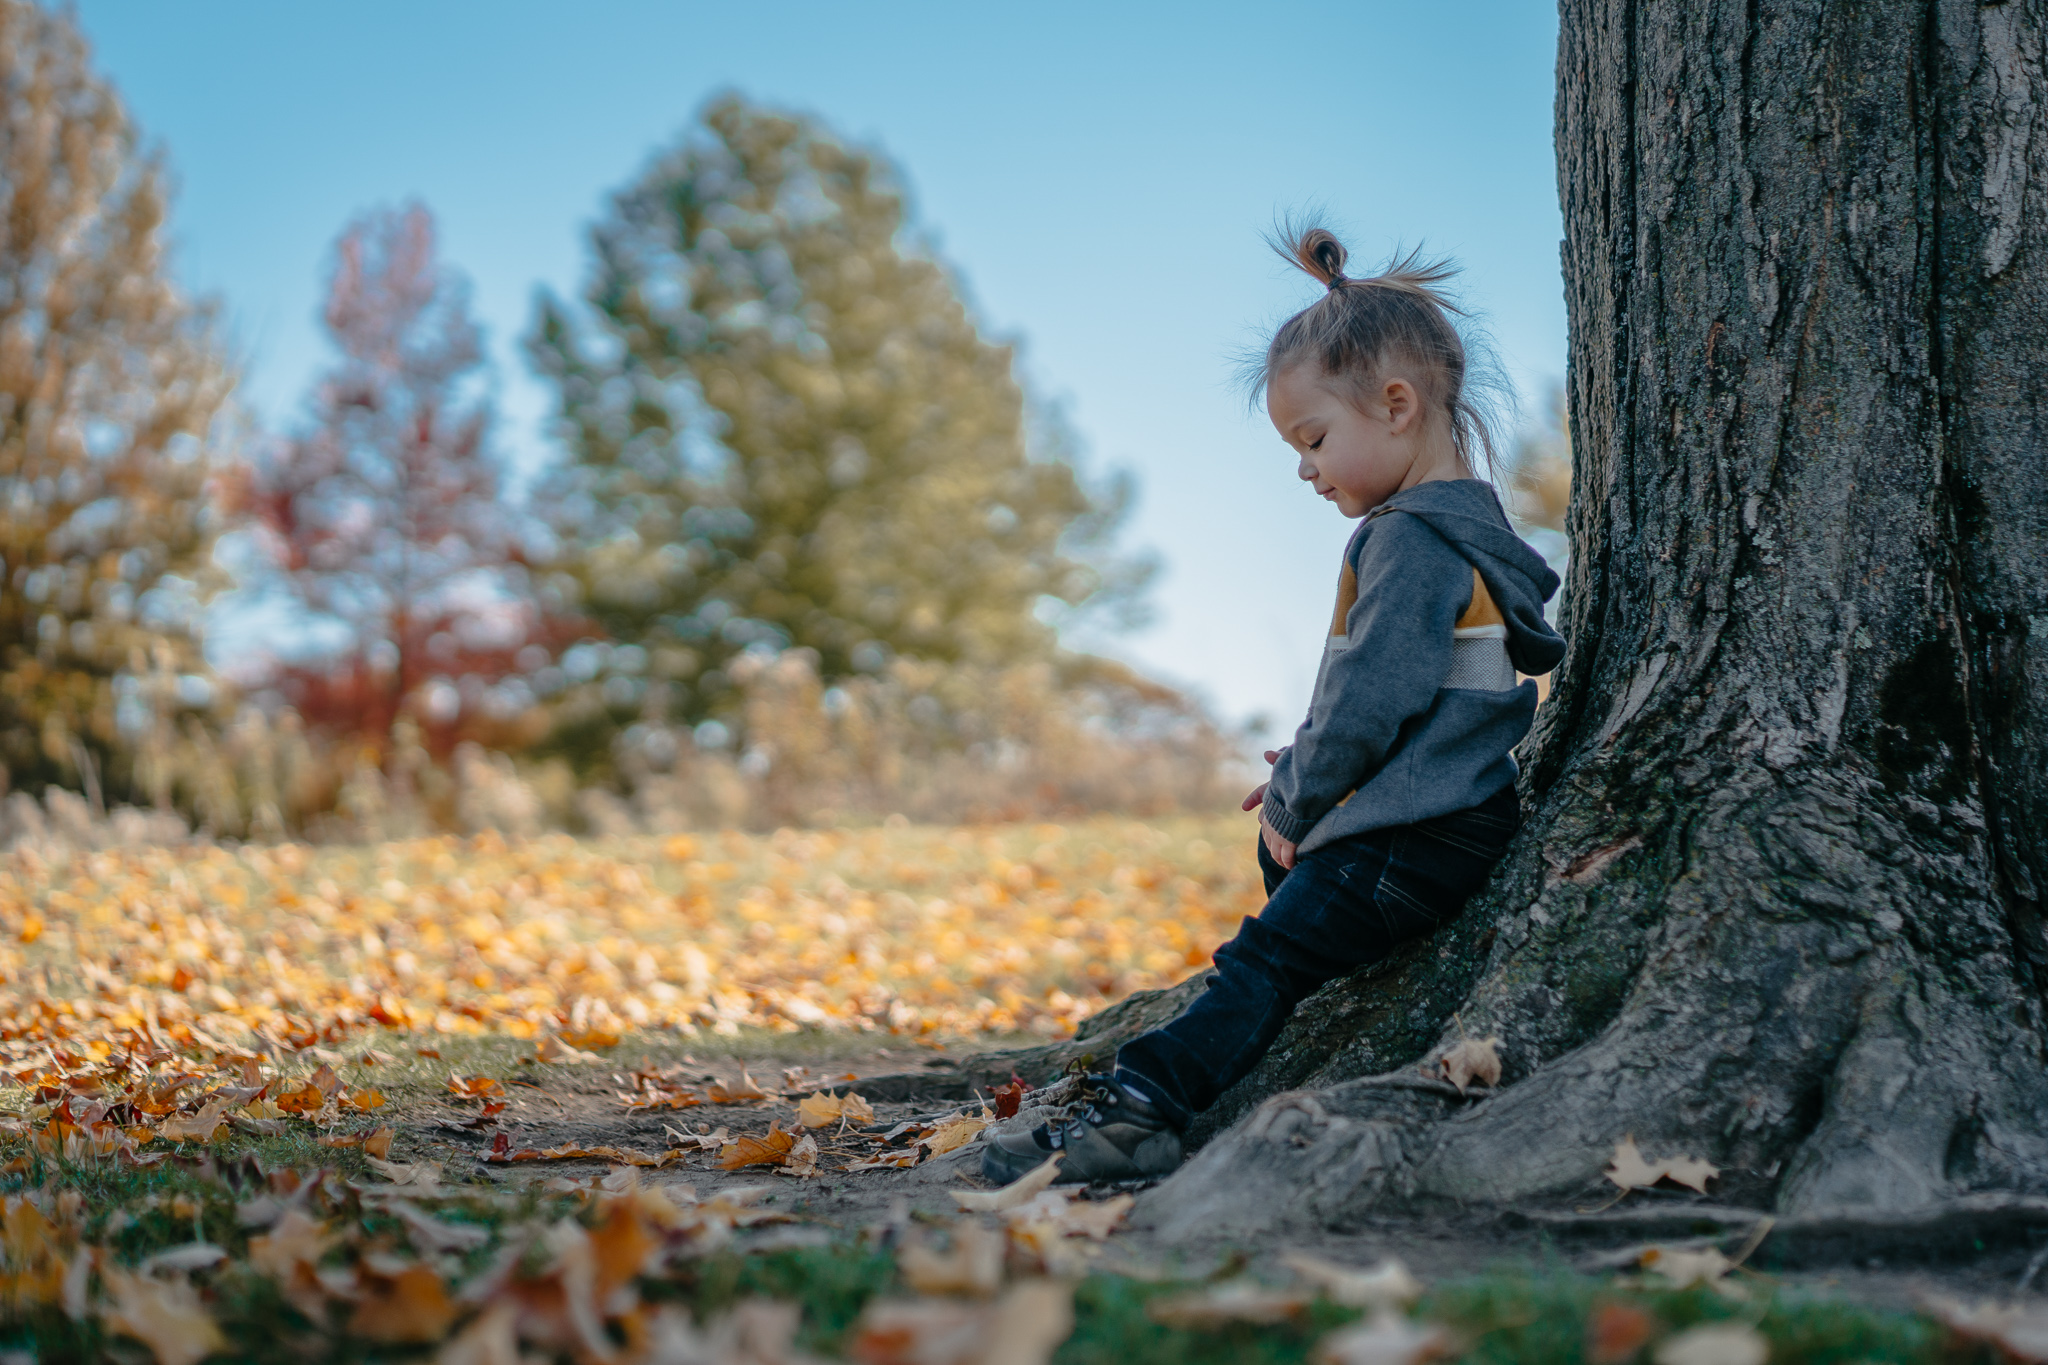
(365, 1100)
(1615, 1332)
(738, 1094)
(411, 1306)
(308, 1100)
(591, 1037)
(474, 1086)
(769, 1150)
(378, 1143)
(324, 1080)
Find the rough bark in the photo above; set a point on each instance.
(1778, 902)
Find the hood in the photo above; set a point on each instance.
(1467, 513)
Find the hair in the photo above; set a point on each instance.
(1363, 327)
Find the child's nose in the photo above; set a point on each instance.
(1305, 471)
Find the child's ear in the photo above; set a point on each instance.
(1402, 405)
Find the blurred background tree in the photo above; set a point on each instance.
(112, 393)
(785, 429)
(384, 515)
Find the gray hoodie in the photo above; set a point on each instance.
(1405, 722)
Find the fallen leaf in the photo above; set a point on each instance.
(1631, 1171)
(490, 1339)
(1714, 1343)
(740, 1093)
(411, 1306)
(553, 1050)
(473, 1087)
(771, 1149)
(199, 1127)
(972, 1264)
(183, 1259)
(2018, 1331)
(1021, 1190)
(1616, 1331)
(325, 1080)
(1023, 1327)
(1473, 1059)
(818, 1111)
(954, 1133)
(589, 1037)
(887, 1161)
(308, 1099)
(1386, 1338)
(425, 1174)
(294, 1239)
(1684, 1269)
(433, 1052)
(364, 1100)
(1232, 1301)
(1386, 1285)
(1009, 1098)
(164, 1315)
(802, 1160)
(378, 1143)
(431, 1234)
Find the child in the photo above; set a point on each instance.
(1397, 795)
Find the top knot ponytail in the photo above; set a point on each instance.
(1317, 251)
(1363, 325)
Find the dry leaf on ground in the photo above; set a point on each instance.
(802, 1159)
(1630, 1170)
(955, 1133)
(200, 1127)
(164, 1315)
(1231, 1301)
(1616, 1331)
(590, 1037)
(740, 1093)
(2020, 1332)
(1384, 1339)
(1684, 1269)
(1714, 1343)
(475, 1087)
(411, 1306)
(1022, 1190)
(293, 1240)
(1386, 1285)
(1473, 1059)
(770, 1149)
(553, 1050)
(973, 1264)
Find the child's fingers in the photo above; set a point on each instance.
(1257, 798)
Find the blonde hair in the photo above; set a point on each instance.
(1361, 327)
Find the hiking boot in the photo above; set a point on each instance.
(1118, 1135)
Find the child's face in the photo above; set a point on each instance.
(1357, 456)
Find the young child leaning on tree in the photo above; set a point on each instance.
(1397, 795)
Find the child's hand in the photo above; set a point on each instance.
(1281, 849)
(1258, 796)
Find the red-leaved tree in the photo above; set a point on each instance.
(383, 514)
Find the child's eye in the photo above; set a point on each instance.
(1316, 444)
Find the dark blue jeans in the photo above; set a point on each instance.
(1342, 907)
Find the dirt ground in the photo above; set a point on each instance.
(1895, 1266)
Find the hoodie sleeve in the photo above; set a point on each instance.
(1385, 669)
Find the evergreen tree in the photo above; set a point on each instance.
(111, 387)
(785, 429)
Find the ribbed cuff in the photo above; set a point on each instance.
(1288, 826)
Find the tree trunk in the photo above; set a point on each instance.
(1778, 901)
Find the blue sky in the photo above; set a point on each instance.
(1099, 175)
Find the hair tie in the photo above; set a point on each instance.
(1336, 280)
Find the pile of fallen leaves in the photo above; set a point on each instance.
(899, 930)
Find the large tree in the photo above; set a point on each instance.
(1778, 902)
(785, 428)
(111, 390)
(383, 515)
